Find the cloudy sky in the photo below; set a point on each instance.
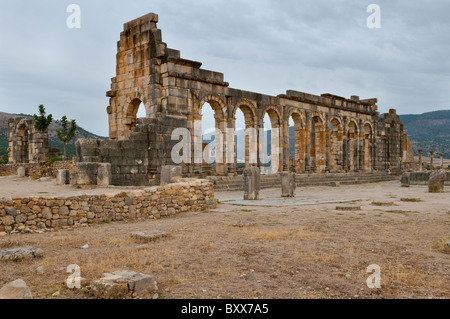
(264, 46)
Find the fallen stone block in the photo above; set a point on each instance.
(436, 182)
(149, 236)
(21, 171)
(119, 284)
(17, 289)
(63, 177)
(26, 252)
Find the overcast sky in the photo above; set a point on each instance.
(265, 46)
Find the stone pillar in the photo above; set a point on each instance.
(431, 160)
(104, 176)
(436, 181)
(287, 184)
(63, 177)
(442, 161)
(170, 173)
(21, 171)
(252, 183)
(420, 161)
(406, 179)
(308, 142)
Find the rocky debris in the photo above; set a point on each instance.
(17, 289)
(25, 252)
(348, 208)
(436, 182)
(120, 284)
(149, 236)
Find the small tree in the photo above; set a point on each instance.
(66, 134)
(41, 122)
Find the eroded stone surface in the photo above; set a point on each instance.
(26, 252)
(149, 236)
(121, 283)
(437, 180)
(17, 289)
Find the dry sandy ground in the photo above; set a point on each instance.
(295, 249)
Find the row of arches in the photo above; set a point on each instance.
(293, 140)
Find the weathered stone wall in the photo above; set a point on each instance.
(333, 133)
(26, 145)
(35, 170)
(423, 177)
(39, 213)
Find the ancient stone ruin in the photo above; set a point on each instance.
(26, 144)
(333, 134)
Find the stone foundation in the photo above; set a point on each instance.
(30, 214)
(35, 170)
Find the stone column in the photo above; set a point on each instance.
(442, 161)
(431, 160)
(420, 160)
(327, 145)
(308, 142)
(287, 184)
(252, 184)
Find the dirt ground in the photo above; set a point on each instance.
(297, 248)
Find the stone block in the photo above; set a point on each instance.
(252, 183)
(21, 171)
(63, 177)
(406, 180)
(25, 252)
(149, 236)
(16, 289)
(436, 181)
(287, 184)
(119, 284)
(170, 174)
(104, 176)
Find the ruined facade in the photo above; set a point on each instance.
(332, 133)
(26, 145)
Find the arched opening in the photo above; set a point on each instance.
(241, 141)
(367, 147)
(136, 109)
(23, 149)
(271, 156)
(336, 137)
(208, 129)
(351, 146)
(245, 137)
(318, 145)
(296, 144)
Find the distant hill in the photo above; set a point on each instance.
(53, 138)
(429, 132)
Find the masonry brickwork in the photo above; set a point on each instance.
(332, 134)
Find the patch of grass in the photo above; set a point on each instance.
(247, 210)
(106, 221)
(276, 234)
(442, 245)
(383, 203)
(409, 244)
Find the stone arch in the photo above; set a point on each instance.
(367, 145)
(248, 108)
(318, 142)
(276, 139)
(219, 108)
(23, 135)
(336, 143)
(297, 159)
(352, 145)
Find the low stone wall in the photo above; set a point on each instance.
(37, 214)
(35, 170)
(236, 183)
(423, 177)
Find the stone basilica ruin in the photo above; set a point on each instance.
(332, 134)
